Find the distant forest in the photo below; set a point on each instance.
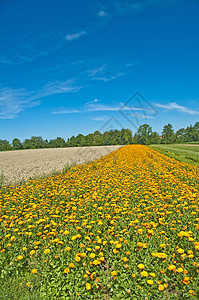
(144, 136)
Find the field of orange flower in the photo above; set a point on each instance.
(122, 227)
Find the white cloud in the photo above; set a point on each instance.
(102, 118)
(102, 13)
(141, 116)
(4, 60)
(14, 101)
(176, 107)
(94, 106)
(74, 36)
(99, 70)
(108, 78)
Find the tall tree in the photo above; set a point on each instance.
(168, 136)
(144, 133)
(16, 144)
(4, 145)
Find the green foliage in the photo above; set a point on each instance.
(168, 136)
(4, 145)
(184, 153)
(19, 288)
(16, 144)
(144, 136)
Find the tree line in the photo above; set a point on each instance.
(144, 136)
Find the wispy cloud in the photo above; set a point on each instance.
(102, 13)
(14, 101)
(94, 106)
(141, 116)
(4, 60)
(74, 36)
(108, 77)
(176, 107)
(128, 6)
(98, 70)
(101, 118)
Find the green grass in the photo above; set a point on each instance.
(182, 152)
(16, 289)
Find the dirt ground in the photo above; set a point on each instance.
(19, 165)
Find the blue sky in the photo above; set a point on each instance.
(70, 67)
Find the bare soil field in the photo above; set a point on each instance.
(19, 165)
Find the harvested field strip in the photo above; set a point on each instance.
(17, 166)
(122, 227)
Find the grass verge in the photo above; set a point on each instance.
(184, 153)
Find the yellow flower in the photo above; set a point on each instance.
(67, 248)
(20, 257)
(71, 265)
(96, 262)
(92, 255)
(88, 286)
(152, 274)
(34, 271)
(114, 273)
(77, 258)
(180, 251)
(171, 268)
(28, 284)
(141, 266)
(186, 280)
(150, 282)
(161, 287)
(179, 270)
(125, 259)
(144, 273)
(66, 270)
(46, 251)
(32, 252)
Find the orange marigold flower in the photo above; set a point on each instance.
(144, 273)
(171, 268)
(88, 286)
(34, 271)
(125, 259)
(20, 257)
(141, 266)
(114, 273)
(150, 282)
(77, 258)
(46, 251)
(180, 251)
(92, 255)
(179, 270)
(161, 287)
(66, 270)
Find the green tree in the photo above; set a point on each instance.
(154, 138)
(144, 134)
(168, 136)
(180, 135)
(4, 145)
(126, 136)
(16, 144)
(97, 138)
